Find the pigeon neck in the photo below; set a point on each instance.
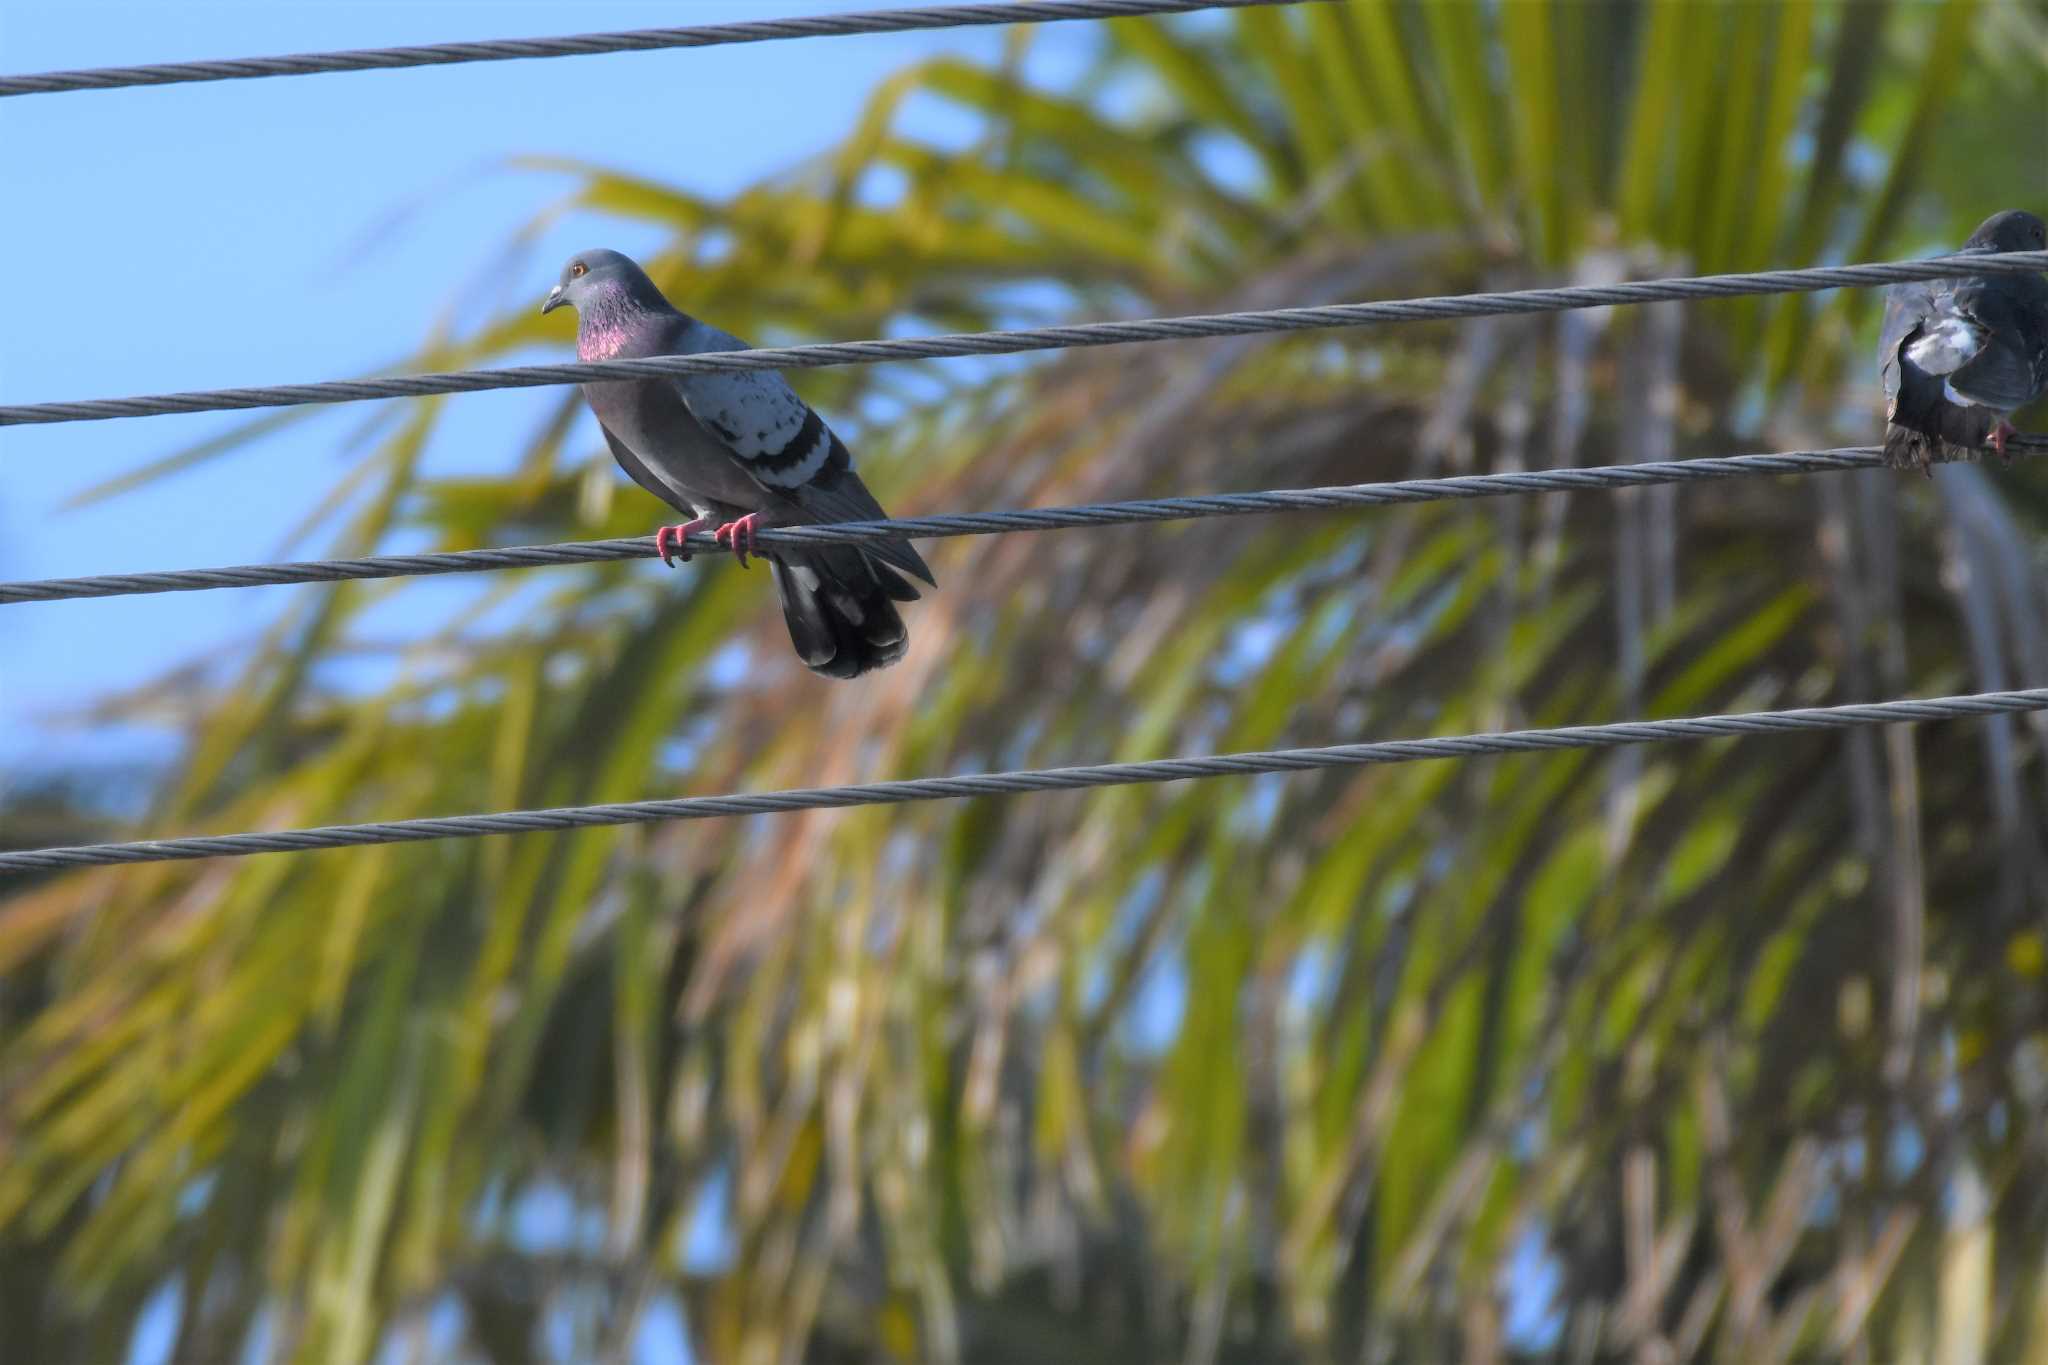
(610, 324)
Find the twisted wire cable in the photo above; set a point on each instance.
(589, 44)
(976, 523)
(1030, 780)
(1069, 337)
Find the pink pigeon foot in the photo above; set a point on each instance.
(1998, 437)
(738, 536)
(671, 539)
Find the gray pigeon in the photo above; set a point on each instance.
(739, 447)
(1958, 355)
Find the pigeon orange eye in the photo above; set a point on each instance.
(578, 268)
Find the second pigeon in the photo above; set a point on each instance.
(1958, 355)
(740, 448)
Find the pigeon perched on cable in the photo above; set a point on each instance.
(739, 448)
(1958, 355)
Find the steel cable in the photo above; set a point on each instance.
(974, 523)
(1037, 338)
(589, 44)
(1029, 780)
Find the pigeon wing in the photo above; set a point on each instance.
(1997, 376)
(1907, 309)
(784, 446)
(2007, 366)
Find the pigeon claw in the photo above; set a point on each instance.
(1999, 434)
(673, 540)
(738, 536)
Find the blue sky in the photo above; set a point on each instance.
(247, 232)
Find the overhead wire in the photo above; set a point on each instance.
(1013, 342)
(1827, 718)
(590, 44)
(1404, 491)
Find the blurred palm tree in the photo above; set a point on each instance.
(1732, 1050)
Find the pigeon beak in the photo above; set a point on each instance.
(553, 301)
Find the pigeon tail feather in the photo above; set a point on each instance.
(1910, 447)
(1905, 448)
(840, 608)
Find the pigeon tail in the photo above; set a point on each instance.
(1925, 429)
(840, 606)
(1905, 448)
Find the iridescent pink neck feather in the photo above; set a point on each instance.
(604, 325)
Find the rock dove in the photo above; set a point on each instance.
(1959, 354)
(741, 448)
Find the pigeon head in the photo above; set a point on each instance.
(2013, 230)
(606, 281)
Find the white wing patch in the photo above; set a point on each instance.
(1946, 347)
